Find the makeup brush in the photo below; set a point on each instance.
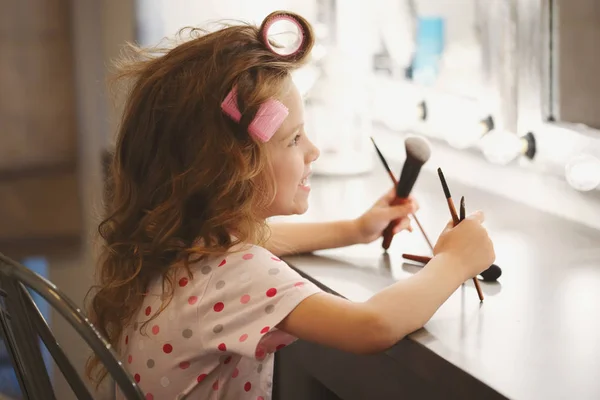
(489, 275)
(448, 197)
(417, 154)
(395, 182)
(456, 220)
(462, 217)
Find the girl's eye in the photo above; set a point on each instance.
(295, 140)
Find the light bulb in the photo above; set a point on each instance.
(501, 147)
(305, 78)
(318, 52)
(583, 172)
(466, 133)
(396, 108)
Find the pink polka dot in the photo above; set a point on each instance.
(223, 263)
(271, 292)
(222, 347)
(243, 337)
(260, 398)
(216, 385)
(192, 300)
(200, 378)
(167, 348)
(299, 284)
(248, 256)
(227, 360)
(183, 281)
(275, 259)
(184, 365)
(130, 359)
(155, 329)
(265, 330)
(149, 396)
(260, 353)
(247, 386)
(245, 299)
(127, 339)
(235, 374)
(148, 310)
(218, 307)
(137, 378)
(281, 346)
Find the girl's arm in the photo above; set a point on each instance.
(377, 324)
(289, 238)
(299, 237)
(383, 320)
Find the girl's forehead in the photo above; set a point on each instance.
(292, 99)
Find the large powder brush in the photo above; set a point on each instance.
(417, 154)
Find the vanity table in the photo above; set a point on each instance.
(535, 336)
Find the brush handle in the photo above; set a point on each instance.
(395, 182)
(489, 275)
(419, 259)
(388, 233)
(462, 217)
(452, 209)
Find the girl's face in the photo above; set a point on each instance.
(291, 156)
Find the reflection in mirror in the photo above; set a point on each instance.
(432, 53)
(445, 49)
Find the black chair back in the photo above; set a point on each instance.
(22, 325)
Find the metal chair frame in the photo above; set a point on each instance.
(21, 324)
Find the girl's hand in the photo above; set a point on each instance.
(468, 244)
(371, 224)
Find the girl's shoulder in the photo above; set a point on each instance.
(242, 261)
(248, 252)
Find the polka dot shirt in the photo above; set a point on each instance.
(216, 337)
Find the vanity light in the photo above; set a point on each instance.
(583, 172)
(502, 147)
(399, 117)
(462, 137)
(305, 78)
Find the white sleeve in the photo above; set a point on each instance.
(248, 295)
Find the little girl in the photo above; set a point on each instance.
(192, 292)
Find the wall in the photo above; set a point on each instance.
(577, 72)
(99, 29)
(161, 18)
(38, 145)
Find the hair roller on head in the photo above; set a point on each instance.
(267, 120)
(302, 35)
(289, 38)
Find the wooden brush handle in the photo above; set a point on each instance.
(388, 233)
(453, 213)
(420, 259)
(491, 274)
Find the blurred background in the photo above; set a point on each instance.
(505, 90)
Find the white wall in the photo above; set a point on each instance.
(169, 16)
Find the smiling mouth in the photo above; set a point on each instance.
(305, 183)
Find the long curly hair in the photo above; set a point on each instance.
(184, 177)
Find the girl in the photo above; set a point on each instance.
(191, 292)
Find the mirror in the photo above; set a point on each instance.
(574, 88)
(445, 52)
